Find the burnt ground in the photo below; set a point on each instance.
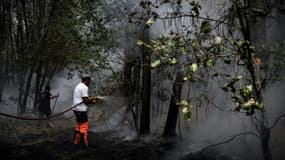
(31, 140)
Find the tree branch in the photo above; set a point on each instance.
(277, 120)
(199, 17)
(228, 140)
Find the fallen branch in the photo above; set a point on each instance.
(229, 140)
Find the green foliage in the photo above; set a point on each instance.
(186, 109)
(206, 50)
(145, 4)
(80, 27)
(205, 27)
(150, 22)
(191, 72)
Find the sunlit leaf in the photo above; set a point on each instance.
(140, 42)
(249, 103)
(184, 50)
(173, 61)
(218, 40)
(150, 22)
(185, 110)
(239, 77)
(259, 105)
(249, 88)
(155, 63)
(184, 103)
(194, 67)
(169, 43)
(209, 62)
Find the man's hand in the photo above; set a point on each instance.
(95, 99)
(99, 97)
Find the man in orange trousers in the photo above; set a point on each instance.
(80, 95)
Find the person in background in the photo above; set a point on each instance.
(80, 96)
(44, 104)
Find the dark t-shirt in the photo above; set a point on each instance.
(44, 104)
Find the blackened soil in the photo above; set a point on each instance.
(26, 140)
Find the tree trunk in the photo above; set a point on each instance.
(146, 88)
(258, 37)
(255, 31)
(171, 121)
(37, 86)
(265, 137)
(23, 103)
(5, 22)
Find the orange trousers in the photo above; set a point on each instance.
(81, 129)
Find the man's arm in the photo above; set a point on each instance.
(88, 100)
(91, 100)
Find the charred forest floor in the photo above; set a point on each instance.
(33, 140)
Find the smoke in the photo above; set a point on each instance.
(63, 86)
(211, 125)
(275, 28)
(111, 115)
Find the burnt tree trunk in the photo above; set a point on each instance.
(5, 38)
(37, 86)
(26, 93)
(171, 121)
(146, 88)
(265, 137)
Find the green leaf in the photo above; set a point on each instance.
(187, 116)
(186, 109)
(239, 77)
(249, 88)
(155, 63)
(193, 67)
(145, 4)
(184, 50)
(218, 40)
(173, 61)
(259, 105)
(184, 103)
(209, 62)
(195, 45)
(169, 43)
(205, 27)
(150, 22)
(140, 42)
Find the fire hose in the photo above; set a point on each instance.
(45, 118)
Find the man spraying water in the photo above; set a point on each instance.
(81, 97)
